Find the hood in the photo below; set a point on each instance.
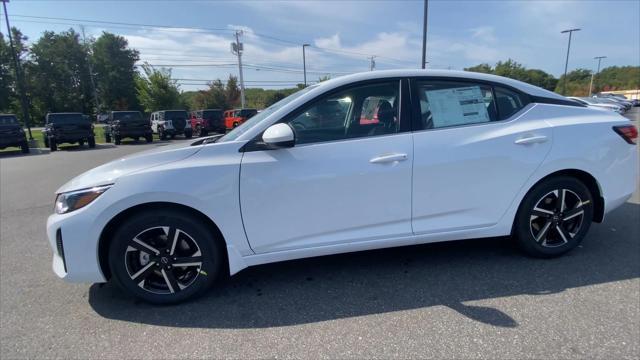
(110, 172)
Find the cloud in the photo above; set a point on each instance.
(484, 33)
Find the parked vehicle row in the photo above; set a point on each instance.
(599, 104)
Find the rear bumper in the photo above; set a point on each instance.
(132, 132)
(6, 141)
(72, 137)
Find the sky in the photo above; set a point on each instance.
(344, 34)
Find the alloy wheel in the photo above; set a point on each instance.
(556, 218)
(163, 260)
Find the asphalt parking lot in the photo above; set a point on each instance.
(476, 298)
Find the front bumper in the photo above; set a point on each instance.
(78, 261)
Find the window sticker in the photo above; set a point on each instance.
(457, 106)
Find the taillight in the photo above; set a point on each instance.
(628, 132)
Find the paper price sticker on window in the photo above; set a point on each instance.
(457, 106)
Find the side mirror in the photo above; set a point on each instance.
(279, 136)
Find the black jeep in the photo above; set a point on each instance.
(11, 133)
(127, 124)
(68, 128)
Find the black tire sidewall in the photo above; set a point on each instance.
(211, 255)
(521, 225)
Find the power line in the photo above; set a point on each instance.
(201, 29)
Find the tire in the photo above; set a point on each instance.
(162, 134)
(117, 140)
(235, 125)
(81, 143)
(149, 138)
(46, 140)
(92, 142)
(24, 147)
(188, 134)
(107, 138)
(146, 268)
(547, 227)
(53, 146)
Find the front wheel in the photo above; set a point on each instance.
(164, 257)
(554, 217)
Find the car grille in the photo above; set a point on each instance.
(60, 248)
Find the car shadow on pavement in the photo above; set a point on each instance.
(448, 274)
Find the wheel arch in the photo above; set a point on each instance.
(105, 239)
(589, 181)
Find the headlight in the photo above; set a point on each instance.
(74, 200)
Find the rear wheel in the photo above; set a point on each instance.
(164, 257)
(53, 146)
(24, 147)
(554, 217)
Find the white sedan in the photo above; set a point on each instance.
(366, 161)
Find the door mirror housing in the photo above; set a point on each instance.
(279, 136)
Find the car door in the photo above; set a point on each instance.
(474, 150)
(342, 182)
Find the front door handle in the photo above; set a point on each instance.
(531, 140)
(388, 158)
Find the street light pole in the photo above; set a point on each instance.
(566, 64)
(19, 75)
(599, 58)
(424, 34)
(304, 64)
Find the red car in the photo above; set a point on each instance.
(207, 121)
(233, 118)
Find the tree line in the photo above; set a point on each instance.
(578, 80)
(64, 72)
(58, 70)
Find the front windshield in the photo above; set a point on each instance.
(237, 132)
(127, 116)
(66, 118)
(8, 120)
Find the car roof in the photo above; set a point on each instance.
(454, 74)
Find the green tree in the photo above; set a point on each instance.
(7, 82)
(59, 75)
(114, 68)
(481, 68)
(156, 90)
(274, 97)
(577, 83)
(232, 92)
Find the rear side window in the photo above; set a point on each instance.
(509, 103)
(447, 103)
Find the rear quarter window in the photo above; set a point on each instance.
(509, 102)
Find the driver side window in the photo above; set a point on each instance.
(368, 110)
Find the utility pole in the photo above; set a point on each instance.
(304, 64)
(372, 63)
(93, 83)
(566, 64)
(19, 75)
(424, 34)
(599, 58)
(236, 49)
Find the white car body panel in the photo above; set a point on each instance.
(291, 203)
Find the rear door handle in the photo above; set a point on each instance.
(531, 140)
(388, 158)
